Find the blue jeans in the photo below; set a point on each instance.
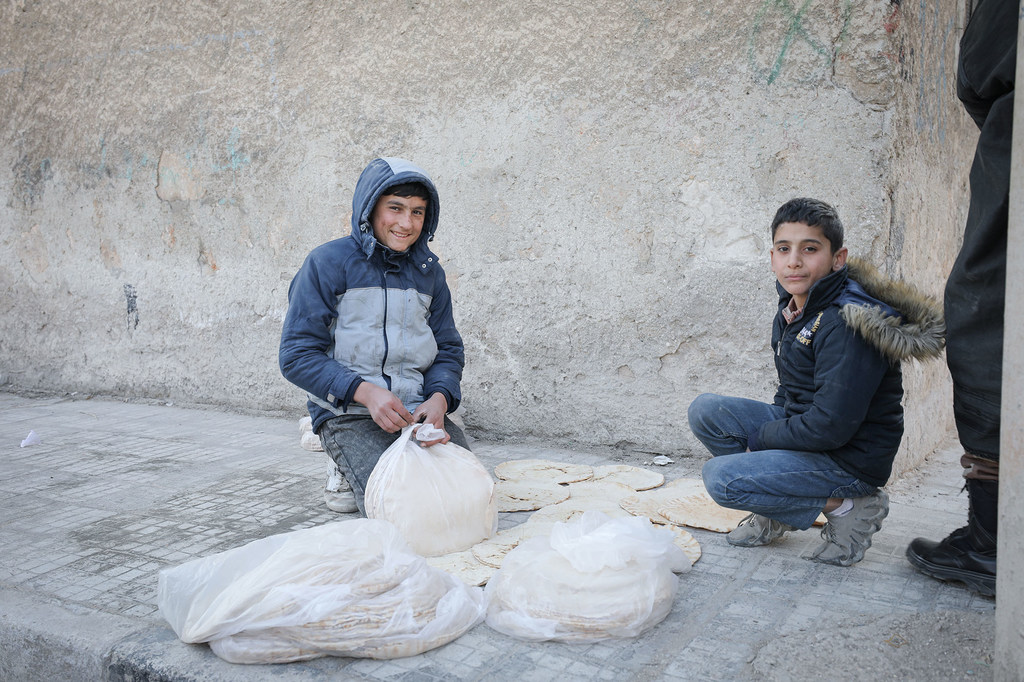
(789, 486)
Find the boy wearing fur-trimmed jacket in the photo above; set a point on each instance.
(369, 333)
(827, 442)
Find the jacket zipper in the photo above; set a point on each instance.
(384, 360)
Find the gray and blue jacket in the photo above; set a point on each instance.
(358, 311)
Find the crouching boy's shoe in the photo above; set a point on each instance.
(337, 491)
(847, 537)
(756, 531)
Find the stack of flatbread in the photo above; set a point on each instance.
(351, 588)
(441, 498)
(555, 492)
(394, 622)
(594, 578)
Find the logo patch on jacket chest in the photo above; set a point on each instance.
(807, 333)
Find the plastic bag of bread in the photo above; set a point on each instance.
(440, 498)
(349, 588)
(594, 578)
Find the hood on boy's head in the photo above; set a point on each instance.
(373, 183)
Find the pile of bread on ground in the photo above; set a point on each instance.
(597, 558)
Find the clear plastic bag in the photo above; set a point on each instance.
(594, 578)
(350, 588)
(440, 498)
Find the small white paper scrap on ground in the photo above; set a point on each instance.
(662, 460)
(31, 439)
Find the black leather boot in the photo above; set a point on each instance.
(968, 554)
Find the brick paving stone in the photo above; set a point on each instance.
(115, 491)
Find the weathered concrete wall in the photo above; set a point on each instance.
(932, 144)
(607, 172)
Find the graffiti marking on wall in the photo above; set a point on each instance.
(131, 299)
(30, 179)
(763, 41)
(235, 159)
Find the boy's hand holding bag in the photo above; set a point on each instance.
(441, 498)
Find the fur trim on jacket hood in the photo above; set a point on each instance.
(916, 330)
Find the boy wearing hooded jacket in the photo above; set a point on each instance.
(369, 333)
(828, 440)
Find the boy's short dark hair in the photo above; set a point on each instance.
(812, 213)
(409, 189)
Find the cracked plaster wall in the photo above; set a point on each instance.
(607, 173)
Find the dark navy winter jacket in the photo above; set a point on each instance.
(840, 387)
(358, 311)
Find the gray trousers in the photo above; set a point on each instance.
(355, 443)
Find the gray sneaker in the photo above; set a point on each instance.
(337, 491)
(847, 537)
(756, 530)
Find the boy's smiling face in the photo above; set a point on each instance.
(801, 255)
(398, 221)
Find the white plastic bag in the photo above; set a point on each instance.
(350, 588)
(441, 498)
(595, 578)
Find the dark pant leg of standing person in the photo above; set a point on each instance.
(975, 298)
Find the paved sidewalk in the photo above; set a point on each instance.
(115, 491)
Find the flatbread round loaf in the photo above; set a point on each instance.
(600, 490)
(648, 502)
(686, 542)
(634, 477)
(464, 566)
(573, 508)
(491, 552)
(542, 521)
(559, 472)
(700, 511)
(527, 494)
